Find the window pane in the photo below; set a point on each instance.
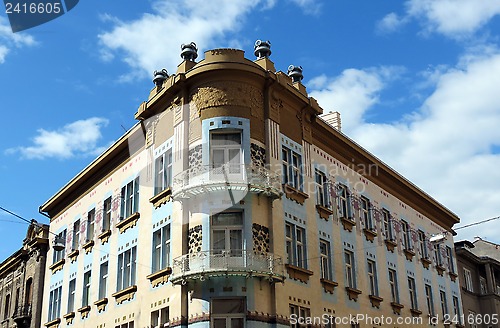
(225, 306)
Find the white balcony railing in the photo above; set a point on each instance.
(206, 264)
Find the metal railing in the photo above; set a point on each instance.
(206, 264)
(246, 177)
(22, 311)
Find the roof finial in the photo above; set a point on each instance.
(189, 51)
(262, 49)
(295, 72)
(159, 77)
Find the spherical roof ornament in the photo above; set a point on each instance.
(159, 77)
(295, 72)
(262, 49)
(189, 51)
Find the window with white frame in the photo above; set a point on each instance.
(161, 248)
(126, 271)
(468, 280)
(350, 270)
(449, 258)
(344, 205)
(129, 324)
(295, 238)
(422, 243)
(71, 295)
(226, 155)
(106, 222)
(55, 304)
(429, 299)
(366, 214)
(372, 277)
(437, 255)
(407, 241)
(322, 194)
(160, 317)
(130, 199)
(59, 255)
(103, 280)
(393, 283)
(456, 310)
(76, 235)
(300, 313)
(163, 172)
(292, 170)
(228, 312)
(412, 292)
(227, 233)
(90, 224)
(86, 288)
(444, 302)
(388, 225)
(324, 253)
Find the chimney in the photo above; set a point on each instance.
(333, 119)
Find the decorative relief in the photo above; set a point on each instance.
(260, 239)
(195, 156)
(195, 237)
(257, 155)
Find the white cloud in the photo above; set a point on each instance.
(309, 6)
(8, 39)
(390, 23)
(74, 139)
(446, 147)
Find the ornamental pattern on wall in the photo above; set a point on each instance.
(195, 236)
(257, 155)
(260, 239)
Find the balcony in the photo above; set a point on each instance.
(22, 315)
(207, 264)
(236, 179)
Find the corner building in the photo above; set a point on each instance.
(232, 203)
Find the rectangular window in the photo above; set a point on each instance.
(90, 225)
(55, 304)
(344, 205)
(295, 239)
(422, 242)
(407, 241)
(76, 235)
(292, 172)
(324, 253)
(468, 280)
(444, 302)
(161, 248)
(437, 255)
(60, 238)
(160, 317)
(388, 225)
(372, 277)
(350, 272)
(366, 214)
(226, 153)
(456, 310)
(413, 293)
(482, 285)
(429, 300)
(322, 195)
(393, 283)
(103, 280)
(472, 319)
(126, 325)
(449, 258)
(228, 312)
(163, 172)
(130, 199)
(86, 289)
(300, 314)
(227, 233)
(106, 222)
(126, 269)
(71, 295)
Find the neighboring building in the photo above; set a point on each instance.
(479, 270)
(21, 280)
(232, 203)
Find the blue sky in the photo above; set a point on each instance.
(416, 81)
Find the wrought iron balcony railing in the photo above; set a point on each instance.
(207, 264)
(22, 311)
(239, 178)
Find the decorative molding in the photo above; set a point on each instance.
(69, 317)
(159, 277)
(84, 311)
(347, 223)
(88, 246)
(328, 285)
(101, 304)
(396, 307)
(425, 262)
(294, 194)
(370, 234)
(415, 312)
(104, 236)
(125, 294)
(390, 244)
(324, 212)
(440, 269)
(73, 255)
(161, 198)
(409, 253)
(375, 300)
(129, 222)
(57, 266)
(353, 293)
(453, 276)
(298, 273)
(53, 324)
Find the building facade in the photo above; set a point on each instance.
(21, 280)
(232, 203)
(479, 270)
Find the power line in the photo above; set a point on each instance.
(476, 223)
(14, 214)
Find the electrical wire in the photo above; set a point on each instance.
(476, 223)
(14, 214)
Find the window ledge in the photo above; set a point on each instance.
(324, 212)
(73, 255)
(440, 269)
(453, 276)
(104, 236)
(125, 294)
(426, 262)
(396, 307)
(53, 324)
(69, 317)
(390, 244)
(129, 222)
(409, 253)
(415, 312)
(348, 223)
(88, 246)
(159, 277)
(161, 198)
(328, 285)
(298, 273)
(57, 266)
(375, 300)
(353, 293)
(370, 234)
(84, 311)
(295, 194)
(101, 304)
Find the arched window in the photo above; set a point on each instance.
(7, 306)
(29, 292)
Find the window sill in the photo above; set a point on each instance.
(324, 212)
(294, 194)
(391, 245)
(440, 269)
(426, 262)
(88, 246)
(69, 317)
(101, 304)
(298, 273)
(161, 198)
(84, 311)
(353, 293)
(57, 266)
(73, 255)
(416, 312)
(409, 253)
(347, 223)
(396, 307)
(104, 236)
(129, 222)
(370, 234)
(375, 300)
(328, 285)
(159, 277)
(453, 276)
(53, 324)
(125, 294)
